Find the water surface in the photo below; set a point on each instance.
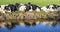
(37, 28)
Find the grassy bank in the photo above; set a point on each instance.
(28, 15)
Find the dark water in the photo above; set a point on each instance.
(37, 28)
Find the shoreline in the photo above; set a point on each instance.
(29, 18)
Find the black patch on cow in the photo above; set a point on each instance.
(12, 7)
(34, 7)
(58, 6)
(39, 8)
(17, 5)
(55, 7)
(47, 6)
(28, 7)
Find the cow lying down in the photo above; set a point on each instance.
(51, 7)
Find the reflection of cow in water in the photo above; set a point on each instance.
(7, 25)
(23, 22)
(27, 23)
(31, 22)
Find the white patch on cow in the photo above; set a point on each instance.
(44, 9)
(22, 7)
(31, 9)
(51, 8)
(2, 8)
(38, 10)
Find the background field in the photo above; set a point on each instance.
(37, 2)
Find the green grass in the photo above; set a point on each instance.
(37, 2)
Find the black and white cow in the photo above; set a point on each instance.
(10, 8)
(29, 7)
(51, 7)
(32, 7)
(22, 7)
(35, 8)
